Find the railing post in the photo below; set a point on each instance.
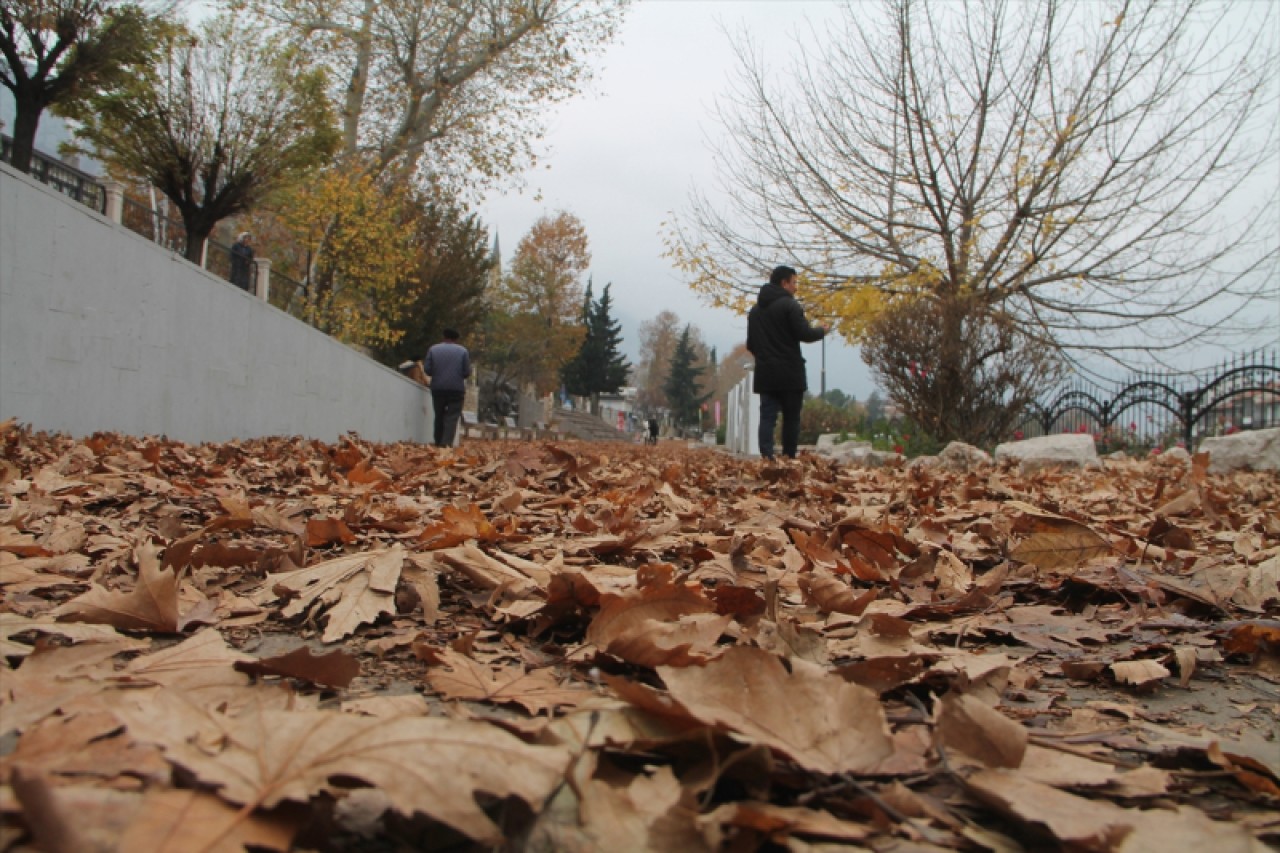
(115, 201)
(262, 284)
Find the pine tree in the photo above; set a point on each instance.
(599, 367)
(683, 388)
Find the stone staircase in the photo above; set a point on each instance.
(585, 426)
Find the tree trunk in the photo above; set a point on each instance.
(353, 105)
(26, 120)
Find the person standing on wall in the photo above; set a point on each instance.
(447, 365)
(242, 262)
(776, 326)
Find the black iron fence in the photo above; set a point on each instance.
(151, 223)
(64, 178)
(1163, 409)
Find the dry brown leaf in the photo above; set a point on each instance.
(12, 624)
(86, 745)
(423, 764)
(819, 720)
(152, 604)
(327, 531)
(1089, 824)
(333, 669)
(662, 621)
(1060, 544)
(1139, 673)
(777, 823)
(355, 589)
(832, 595)
(979, 731)
(461, 677)
(177, 821)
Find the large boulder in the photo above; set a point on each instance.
(858, 453)
(826, 446)
(1068, 449)
(1258, 449)
(829, 443)
(959, 456)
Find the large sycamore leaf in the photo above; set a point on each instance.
(178, 821)
(461, 677)
(818, 719)
(152, 604)
(356, 589)
(422, 764)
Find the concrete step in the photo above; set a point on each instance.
(585, 426)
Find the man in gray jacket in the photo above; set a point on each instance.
(776, 326)
(447, 365)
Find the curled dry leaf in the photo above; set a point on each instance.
(979, 731)
(1139, 673)
(333, 669)
(832, 595)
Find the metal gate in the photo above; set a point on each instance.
(1163, 409)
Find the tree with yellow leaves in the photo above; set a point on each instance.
(535, 326)
(356, 245)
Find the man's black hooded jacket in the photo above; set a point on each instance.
(776, 326)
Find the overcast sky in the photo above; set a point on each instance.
(624, 155)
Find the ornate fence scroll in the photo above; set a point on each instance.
(1163, 409)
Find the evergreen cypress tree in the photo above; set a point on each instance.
(683, 386)
(613, 365)
(599, 367)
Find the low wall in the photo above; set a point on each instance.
(100, 329)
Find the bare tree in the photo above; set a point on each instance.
(448, 88)
(222, 119)
(957, 370)
(1102, 176)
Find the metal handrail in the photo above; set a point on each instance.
(66, 179)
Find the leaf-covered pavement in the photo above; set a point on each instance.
(284, 644)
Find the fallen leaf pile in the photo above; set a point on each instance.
(290, 645)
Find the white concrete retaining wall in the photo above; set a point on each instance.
(100, 329)
(742, 420)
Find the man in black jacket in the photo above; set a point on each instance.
(776, 326)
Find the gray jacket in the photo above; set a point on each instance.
(448, 364)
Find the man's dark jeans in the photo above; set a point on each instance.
(789, 404)
(447, 408)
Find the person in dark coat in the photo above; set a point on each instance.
(448, 364)
(776, 326)
(242, 262)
